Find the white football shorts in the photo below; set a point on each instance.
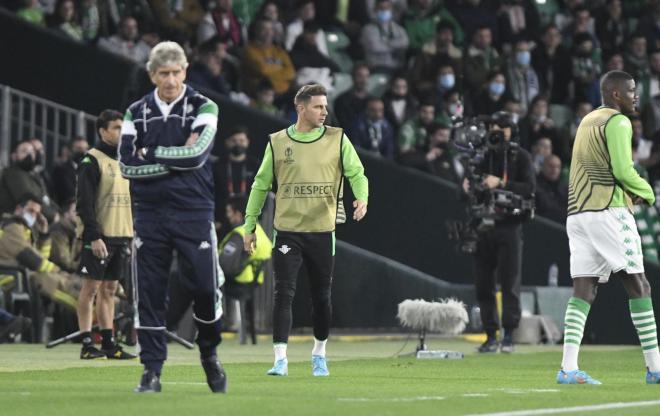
(604, 242)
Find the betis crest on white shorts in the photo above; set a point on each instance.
(604, 242)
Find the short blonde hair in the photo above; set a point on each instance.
(305, 93)
(165, 54)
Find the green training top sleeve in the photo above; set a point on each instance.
(354, 171)
(618, 133)
(262, 184)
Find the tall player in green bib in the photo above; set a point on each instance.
(602, 233)
(308, 161)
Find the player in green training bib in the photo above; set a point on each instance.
(602, 233)
(308, 161)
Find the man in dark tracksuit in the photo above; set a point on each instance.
(308, 161)
(499, 249)
(167, 137)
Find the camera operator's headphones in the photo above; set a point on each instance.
(505, 119)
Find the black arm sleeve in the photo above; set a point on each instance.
(523, 182)
(89, 176)
(29, 258)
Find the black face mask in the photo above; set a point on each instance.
(238, 150)
(76, 156)
(27, 164)
(38, 158)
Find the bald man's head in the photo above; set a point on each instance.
(551, 168)
(618, 91)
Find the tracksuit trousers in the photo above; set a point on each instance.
(290, 252)
(201, 276)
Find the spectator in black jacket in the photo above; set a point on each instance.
(206, 72)
(552, 63)
(312, 66)
(400, 104)
(233, 174)
(551, 191)
(372, 131)
(19, 178)
(354, 101)
(64, 185)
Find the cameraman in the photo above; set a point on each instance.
(499, 248)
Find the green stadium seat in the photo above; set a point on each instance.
(378, 84)
(561, 115)
(342, 83)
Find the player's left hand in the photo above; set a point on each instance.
(192, 139)
(492, 182)
(638, 200)
(360, 210)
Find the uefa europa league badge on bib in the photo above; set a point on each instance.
(288, 156)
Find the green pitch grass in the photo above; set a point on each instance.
(366, 379)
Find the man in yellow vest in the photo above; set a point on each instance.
(308, 161)
(103, 203)
(25, 242)
(602, 233)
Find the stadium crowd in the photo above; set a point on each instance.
(398, 72)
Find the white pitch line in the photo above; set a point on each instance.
(394, 399)
(475, 395)
(559, 410)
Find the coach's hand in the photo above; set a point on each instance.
(99, 249)
(192, 139)
(360, 210)
(250, 242)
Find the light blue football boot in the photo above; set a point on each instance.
(281, 368)
(575, 377)
(652, 377)
(319, 366)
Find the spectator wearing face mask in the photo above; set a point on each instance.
(233, 174)
(25, 242)
(520, 75)
(440, 51)
(19, 179)
(493, 95)
(64, 188)
(384, 41)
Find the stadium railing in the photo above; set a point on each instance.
(25, 116)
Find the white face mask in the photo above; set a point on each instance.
(29, 218)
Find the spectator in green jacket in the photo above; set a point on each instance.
(421, 20)
(413, 134)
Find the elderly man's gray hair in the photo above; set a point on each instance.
(166, 54)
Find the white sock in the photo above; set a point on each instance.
(319, 347)
(280, 351)
(652, 359)
(569, 361)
